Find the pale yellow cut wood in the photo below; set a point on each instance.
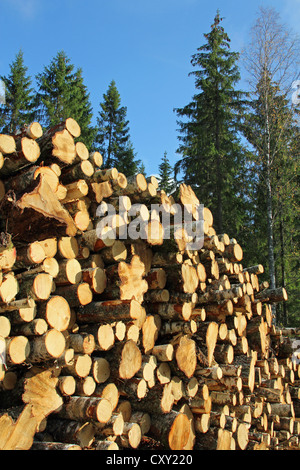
(75, 191)
(43, 200)
(50, 247)
(41, 393)
(49, 346)
(131, 360)
(34, 130)
(73, 127)
(154, 232)
(96, 158)
(64, 146)
(173, 429)
(42, 286)
(150, 330)
(42, 398)
(186, 356)
(133, 286)
(211, 340)
(131, 436)
(5, 326)
(7, 144)
(56, 311)
(36, 327)
(81, 365)
(67, 385)
(100, 369)
(82, 151)
(18, 435)
(49, 175)
(69, 272)
(28, 255)
(105, 337)
(17, 349)
(82, 220)
(101, 190)
(96, 278)
(9, 288)
(189, 200)
(7, 257)
(68, 247)
(163, 352)
(110, 392)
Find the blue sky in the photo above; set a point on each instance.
(144, 45)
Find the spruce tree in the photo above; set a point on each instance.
(166, 180)
(62, 94)
(212, 157)
(83, 112)
(18, 108)
(113, 136)
(141, 168)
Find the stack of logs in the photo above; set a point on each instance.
(121, 343)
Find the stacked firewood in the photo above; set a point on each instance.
(112, 341)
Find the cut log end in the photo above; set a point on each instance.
(186, 356)
(154, 233)
(131, 360)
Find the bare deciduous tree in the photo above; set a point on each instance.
(273, 48)
(272, 61)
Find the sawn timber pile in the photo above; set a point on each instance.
(113, 343)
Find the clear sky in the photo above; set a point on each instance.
(144, 45)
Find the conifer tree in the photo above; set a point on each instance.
(113, 136)
(62, 94)
(18, 108)
(166, 180)
(212, 157)
(141, 168)
(83, 112)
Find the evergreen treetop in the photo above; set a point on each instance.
(62, 94)
(166, 180)
(18, 108)
(212, 157)
(113, 136)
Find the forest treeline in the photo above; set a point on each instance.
(238, 149)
